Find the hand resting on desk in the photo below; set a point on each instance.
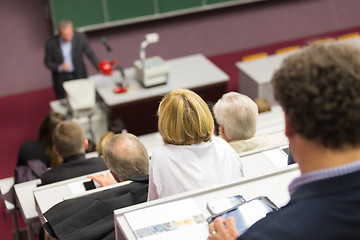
(103, 179)
(223, 229)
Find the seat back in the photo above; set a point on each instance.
(255, 56)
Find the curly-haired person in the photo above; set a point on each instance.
(319, 90)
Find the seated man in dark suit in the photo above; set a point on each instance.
(91, 217)
(70, 143)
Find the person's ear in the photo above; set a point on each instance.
(55, 150)
(289, 130)
(222, 133)
(86, 144)
(114, 176)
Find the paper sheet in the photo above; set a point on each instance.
(278, 158)
(174, 220)
(77, 187)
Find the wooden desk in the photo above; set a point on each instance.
(255, 76)
(138, 106)
(274, 185)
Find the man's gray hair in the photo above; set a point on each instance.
(238, 115)
(125, 156)
(64, 23)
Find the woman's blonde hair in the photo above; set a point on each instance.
(100, 146)
(184, 118)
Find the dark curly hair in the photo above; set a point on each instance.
(319, 90)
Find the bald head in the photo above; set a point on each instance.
(126, 156)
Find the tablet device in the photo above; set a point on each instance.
(248, 213)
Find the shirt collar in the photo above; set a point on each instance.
(323, 174)
(76, 157)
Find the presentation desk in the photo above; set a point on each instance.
(273, 184)
(138, 106)
(255, 76)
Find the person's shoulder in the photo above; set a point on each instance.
(139, 178)
(220, 142)
(53, 39)
(161, 153)
(95, 159)
(49, 176)
(79, 35)
(98, 161)
(217, 139)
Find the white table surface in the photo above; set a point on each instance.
(24, 194)
(186, 72)
(274, 185)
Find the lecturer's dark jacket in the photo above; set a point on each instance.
(73, 166)
(80, 45)
(92, 217)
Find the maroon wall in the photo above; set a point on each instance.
(24, 28)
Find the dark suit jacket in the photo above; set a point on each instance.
(74, 166)
(326, 209)
(80, 45)
(92, 217)
(32, 150)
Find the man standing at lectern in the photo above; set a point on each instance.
(63, 56)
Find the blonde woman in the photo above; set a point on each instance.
(191, 156)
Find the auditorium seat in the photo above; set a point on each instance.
(254, 56)
(348, 36)
(287, 49)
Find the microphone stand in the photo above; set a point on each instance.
(117, 66)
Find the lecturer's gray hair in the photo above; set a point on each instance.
(64, 23)
(238, 115)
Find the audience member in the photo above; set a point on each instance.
(319, 90)
(237, 115)
(42, 148)
(70, 143)
(125, 156)
(91, 217)
(191, 156)
(100, 146)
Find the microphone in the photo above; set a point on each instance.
(105, 43)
